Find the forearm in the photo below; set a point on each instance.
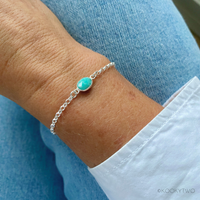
(98, 122)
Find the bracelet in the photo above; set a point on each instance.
(83, 85)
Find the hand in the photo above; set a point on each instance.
(40, 64)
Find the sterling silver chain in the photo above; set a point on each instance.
(73, 95)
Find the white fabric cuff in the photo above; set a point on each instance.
(162, 161)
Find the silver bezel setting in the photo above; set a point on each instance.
(88, 87)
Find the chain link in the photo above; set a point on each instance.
(73, 95)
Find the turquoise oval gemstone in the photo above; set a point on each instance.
(84, 84)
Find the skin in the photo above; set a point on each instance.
(40, 64)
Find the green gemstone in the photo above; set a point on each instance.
(84, 84)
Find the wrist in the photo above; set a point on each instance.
(100, 121)
(58, 82)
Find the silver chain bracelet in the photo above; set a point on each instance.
(83, 85)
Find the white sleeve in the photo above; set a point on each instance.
(163, 160)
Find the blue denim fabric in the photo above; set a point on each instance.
(27, 167)
(152, 48)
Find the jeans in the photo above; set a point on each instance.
(152, 48)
